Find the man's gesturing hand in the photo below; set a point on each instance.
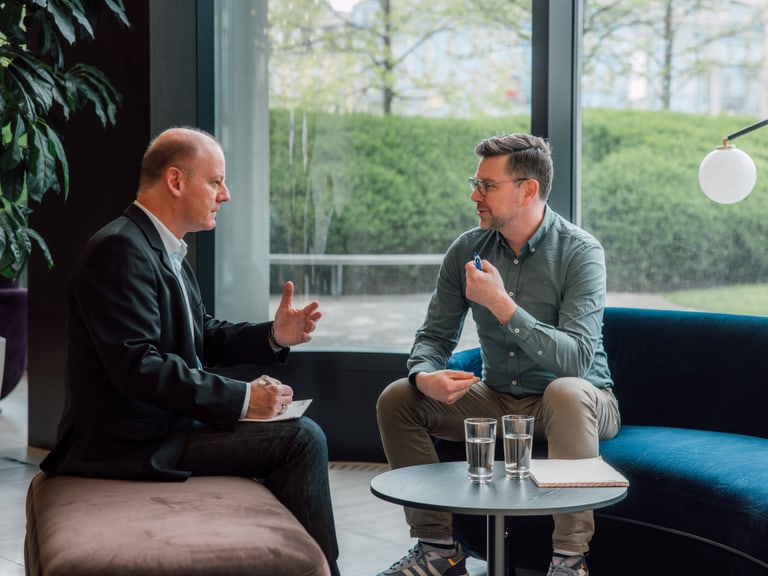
(294, 325)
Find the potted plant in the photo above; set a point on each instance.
(37, 93)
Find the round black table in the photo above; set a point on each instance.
(445, 487)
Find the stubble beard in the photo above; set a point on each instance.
(492, 222)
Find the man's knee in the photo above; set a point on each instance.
(394, 395)
(568, 394)
(311, 436)
(569, 417)
(568, 403)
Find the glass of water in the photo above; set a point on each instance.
(518, 444)
(480, 436)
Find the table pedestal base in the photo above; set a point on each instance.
(498, 562)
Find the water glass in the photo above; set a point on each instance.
(480, 436)
(518, 444)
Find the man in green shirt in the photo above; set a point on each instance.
(536, 291)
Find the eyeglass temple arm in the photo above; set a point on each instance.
(743, 131)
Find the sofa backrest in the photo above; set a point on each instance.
(689, 369)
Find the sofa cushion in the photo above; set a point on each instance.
(710, 485)
(205, 525)
(468, 360)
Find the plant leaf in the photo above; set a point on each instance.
(13, 150)
(6, 256)
(80, 15)
(17, 246)
(29, 81)
(118, 9)
(36, 165)
(63, 21)
(92, 86)
(56, 149)
(10, 18)
(42, 245)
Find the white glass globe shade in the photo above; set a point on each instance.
(727, 175)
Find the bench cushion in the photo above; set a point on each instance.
(205, 525)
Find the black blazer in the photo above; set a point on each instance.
(132, 387)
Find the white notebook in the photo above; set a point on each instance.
(582, 472)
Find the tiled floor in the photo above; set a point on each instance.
(17, 466)
(372, 533)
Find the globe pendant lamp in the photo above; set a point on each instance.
(727, 175)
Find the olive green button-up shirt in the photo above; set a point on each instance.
(559, 284)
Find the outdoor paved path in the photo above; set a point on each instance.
(388, 323)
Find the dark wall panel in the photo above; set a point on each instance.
(344, 387)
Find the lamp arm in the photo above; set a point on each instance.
(746, 130)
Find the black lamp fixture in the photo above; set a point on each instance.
(727, 175)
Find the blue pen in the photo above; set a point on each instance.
(477, 262)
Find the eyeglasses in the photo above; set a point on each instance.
(485, 185)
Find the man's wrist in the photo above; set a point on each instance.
(506, 310)
(273, 343)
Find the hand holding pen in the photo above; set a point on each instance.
(486, 287)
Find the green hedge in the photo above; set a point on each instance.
(372, 184)
(641, 198)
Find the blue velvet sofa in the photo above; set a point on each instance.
(693, 393)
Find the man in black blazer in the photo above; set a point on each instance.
(141, 401)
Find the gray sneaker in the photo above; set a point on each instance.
(424, 559)
(578, 567)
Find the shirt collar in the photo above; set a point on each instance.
(534, 240)
(173, 245)
(541, 231)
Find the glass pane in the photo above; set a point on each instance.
(374, 111)
(663, 82)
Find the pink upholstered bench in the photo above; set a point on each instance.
(205, 526)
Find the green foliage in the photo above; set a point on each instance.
(372, 184)
(641, 198)
(35, 90)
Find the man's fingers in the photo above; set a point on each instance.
(311, 311)
(287, 298)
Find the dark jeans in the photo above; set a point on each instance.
(290, 456)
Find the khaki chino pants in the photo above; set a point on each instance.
(572, 416)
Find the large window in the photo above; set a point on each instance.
(373, 111)
(349, 128)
